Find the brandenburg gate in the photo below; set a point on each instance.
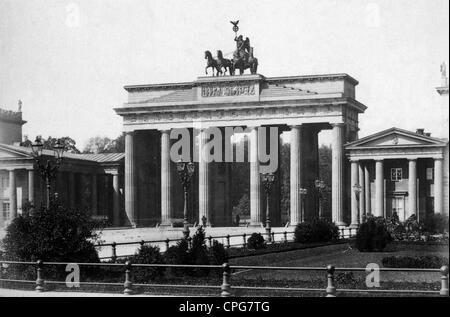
(158, 117)
(303, 105)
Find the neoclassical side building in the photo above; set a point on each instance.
(88, 181)
(397, 171)
(303, 105)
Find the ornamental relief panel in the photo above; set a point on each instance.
(234, 114)
(227, 91)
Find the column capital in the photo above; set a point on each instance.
(412, 159)
(293, 126)
(438, 159)
(380, 160)
(337, 124)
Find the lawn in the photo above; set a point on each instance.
(341, 255)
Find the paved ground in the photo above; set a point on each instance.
(139, 234)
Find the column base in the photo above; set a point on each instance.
(354, 226)
(340, 224)
(256, 224)
(166, 223)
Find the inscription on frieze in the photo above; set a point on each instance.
(226, 91)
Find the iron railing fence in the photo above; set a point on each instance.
(226, 288)
(284, 236)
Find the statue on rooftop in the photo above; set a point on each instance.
(242, 57)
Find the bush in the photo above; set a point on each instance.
(197, 254)
(256, 241)
(419, 262)
(346, 279)
(218, 254)
(372, 235)
(318, 230)
(147, 255)
(396, 228)
(436, 223)
(177, 254)
(54, 235)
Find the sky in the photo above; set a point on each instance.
(69, 60)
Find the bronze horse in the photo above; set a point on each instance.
(224, 63)
(211, 63)
(240, 62)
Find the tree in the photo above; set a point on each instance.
(99, 144)
(49, 143)
(54, 234)
(243, 207)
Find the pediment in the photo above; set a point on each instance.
(396, 137)
(12, 152)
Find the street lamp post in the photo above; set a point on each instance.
(48, 168)
(303, 193)
(320, 186)
(268, 180)
(185, 173)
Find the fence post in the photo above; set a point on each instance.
(228, 241)
(331, 289)
(245, 240)
(444, 281)
(189, 242)
(273, 237)
(210, 241)
(342, 233)
(128, 285)
(226, 281)
(114, 252)
(285, 236)
(39, 280)
(142, 243)
(167, 243)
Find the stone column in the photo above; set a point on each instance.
(438, 186)
(130, 185)
(72, 189)
(203, 179)
(31, 186)
(116, 200)
(94, 195)
(368, 196)
(362, 195)
(412, 188)
(166, 210)
(337, 177)
(12, 194)
(379, 189)
(295, 176)
(255, 180)
(354, 199)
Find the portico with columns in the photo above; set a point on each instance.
(91, 182)
(397, 171)
(302, 105)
